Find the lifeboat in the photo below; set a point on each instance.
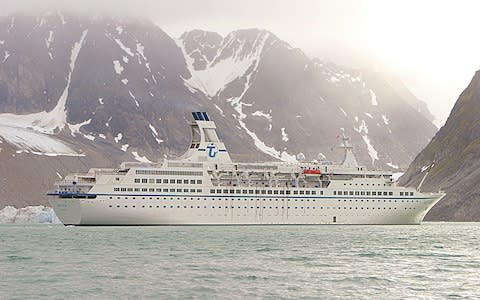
(311, 172)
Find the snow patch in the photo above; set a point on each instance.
(155, 133)
(369, 115)
(385, 119)
(391, 165)
(118, 138)
(373, 98)
(123, 47)
(343, 111)
(334, 79)
(100, 100)
(102, 136)
(134, 99)
(75, 129)
(6, 56)
(119, 29)
(260, 113)
(215, 77)
(28, 215)
(125, 81)
(140, 158)
(284, 135)
(363, 131)
(118, 67)
(125, 59)
(30, 132)
(124, 147)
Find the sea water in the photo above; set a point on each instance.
(430, 261)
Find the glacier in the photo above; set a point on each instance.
(28, 215)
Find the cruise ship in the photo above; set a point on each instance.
(205, 187)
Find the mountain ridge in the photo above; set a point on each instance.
(126, 93)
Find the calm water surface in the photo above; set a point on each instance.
(431, 261)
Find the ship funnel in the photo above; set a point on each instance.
(205, 144)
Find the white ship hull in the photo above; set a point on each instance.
(205, 187)
(238, 211)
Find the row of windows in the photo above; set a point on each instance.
(264, 192)
(174, 173)
(369, 193)
(158, 190)
(259, 207)
(166, 181)
(378, 200)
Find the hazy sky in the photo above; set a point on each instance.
(433, 46)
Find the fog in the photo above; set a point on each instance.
(431, 45)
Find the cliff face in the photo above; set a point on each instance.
(452, 160)
(81, 92)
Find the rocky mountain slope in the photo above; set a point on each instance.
(77, 92)
(451, 161)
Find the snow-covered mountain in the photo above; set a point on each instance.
(77, 92)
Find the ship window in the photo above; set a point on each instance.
(179, 181)
(334, 193)
(199, 181)
(144, 189)
(238, 191)
(192, 190)
(172, 190)
(185, 181)
(264, 192)
(314, 192)
(185, 190)
(356, 193)
(179, 190)
(199, 190)
(295, 192)
(269, 192)
(212, 191)
(151, 190)
(401, 193)
(165, 181)
(257, 192)
(225, 191)
(165, 190)
(151, 180)
(250, 191)
(368, 193)
(232, 191)
(137, 180)
(144, 180)
(158, 180)
(390, 193)
(302, 192)
(172, 180)
(385, 193)
(362, 193)
(351, 193)
(307, 192)
(287, 192)
(192, 181)
(282, 192)
(275, 192)
(219, 191)
(411, 193)
(374, 193)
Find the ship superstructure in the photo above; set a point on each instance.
(205, 187)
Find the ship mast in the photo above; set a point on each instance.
(349, 160)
